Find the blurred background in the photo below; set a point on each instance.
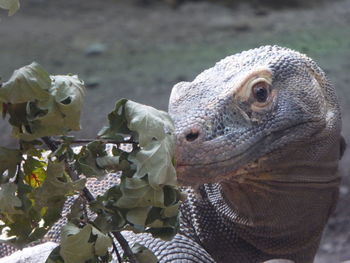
(138, 49)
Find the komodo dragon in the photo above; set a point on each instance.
(258, 139)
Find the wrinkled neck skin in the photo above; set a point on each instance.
(287, 203)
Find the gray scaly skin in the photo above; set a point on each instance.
(258, 142)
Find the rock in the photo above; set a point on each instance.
(95, 49)
(223, 22)
(92, 82)
(242, 27)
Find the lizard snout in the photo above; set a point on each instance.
(188, 141)
(192, 135)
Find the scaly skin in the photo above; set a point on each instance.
(258, 144)
(269, 167)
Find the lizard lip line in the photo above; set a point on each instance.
(183, 165)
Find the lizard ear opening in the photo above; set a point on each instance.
(342, 147)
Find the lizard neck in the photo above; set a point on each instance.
(291, 214)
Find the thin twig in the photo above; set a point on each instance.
(115, 249)
(125, 246)
(84, 141)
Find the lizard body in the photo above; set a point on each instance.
(258, 142)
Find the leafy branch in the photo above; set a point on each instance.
(34, 183)
(11, 5)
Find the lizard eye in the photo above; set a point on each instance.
(261, 91)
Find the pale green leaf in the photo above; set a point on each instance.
(148, 197)
(155, 131)
(82, 244)
(171, 211)
(143, 254)
(75, 245)
(138, 216)
(150, 123)
(137, 192)
(102, 242)
(156, 224)
(11, 5)
(155, 160)
(68, 92)
(42, 106)
(28, 83)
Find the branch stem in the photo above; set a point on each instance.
(84, 141)
(125, 246)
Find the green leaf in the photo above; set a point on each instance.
(39, 208)
(9, 202)
(54, 191)
(149, 195)
(57, 184)
(9, 159)
(11, 5)
(110, 217)
(143, 254)
(34, 171)
(138, 193)
(164, 233)
(117, 127)
(77, 212)
(86, 159)
(112, 163)
(28, 83)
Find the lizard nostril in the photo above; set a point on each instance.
(192, 136)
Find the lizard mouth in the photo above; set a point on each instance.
(243, 162)
(216, 171)
(210, 172)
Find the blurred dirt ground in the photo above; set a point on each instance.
(122, 49)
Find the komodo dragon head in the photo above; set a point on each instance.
(260, 110)
(263, 127)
